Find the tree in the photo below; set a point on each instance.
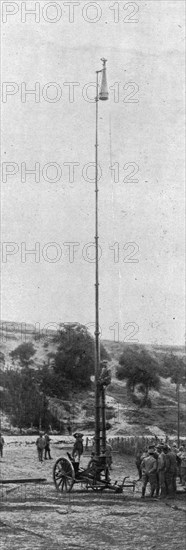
(23, 354)
(21, 398)
(24, 399)
(74, 360)
(48, 381)
(175, 368)
(139, 370)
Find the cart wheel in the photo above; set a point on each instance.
(63, 475)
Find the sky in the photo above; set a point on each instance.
(141, 136)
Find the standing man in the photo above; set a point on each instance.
(170, 470)
(40, 444)
(2, 442)
(69, 428)
(176, 452)
(139, 458)
(47, 446)
(161, 485)
(77, 450)
(182, 455)
(149, 472)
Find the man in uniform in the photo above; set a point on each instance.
(78, 446)
(139, 458)
(170, 470)
(47, 446)
(149, 471)
(40, 444)
(161, 486)
(182, 456)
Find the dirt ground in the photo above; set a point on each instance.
(37, 517)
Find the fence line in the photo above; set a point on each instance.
(132, 444)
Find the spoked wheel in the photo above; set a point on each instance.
(63, 475)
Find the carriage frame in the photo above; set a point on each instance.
(67, 472)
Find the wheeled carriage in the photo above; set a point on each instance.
(67, 472)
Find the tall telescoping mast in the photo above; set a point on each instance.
(102, 95)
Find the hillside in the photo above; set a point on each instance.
(14, 334)
(124, 417)
(157, 351)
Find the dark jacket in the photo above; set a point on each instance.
(170, 463)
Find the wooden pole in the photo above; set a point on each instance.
(18, 481)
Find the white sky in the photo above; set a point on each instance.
(150, 212)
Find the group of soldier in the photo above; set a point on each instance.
(159, 466)
(43, 446)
